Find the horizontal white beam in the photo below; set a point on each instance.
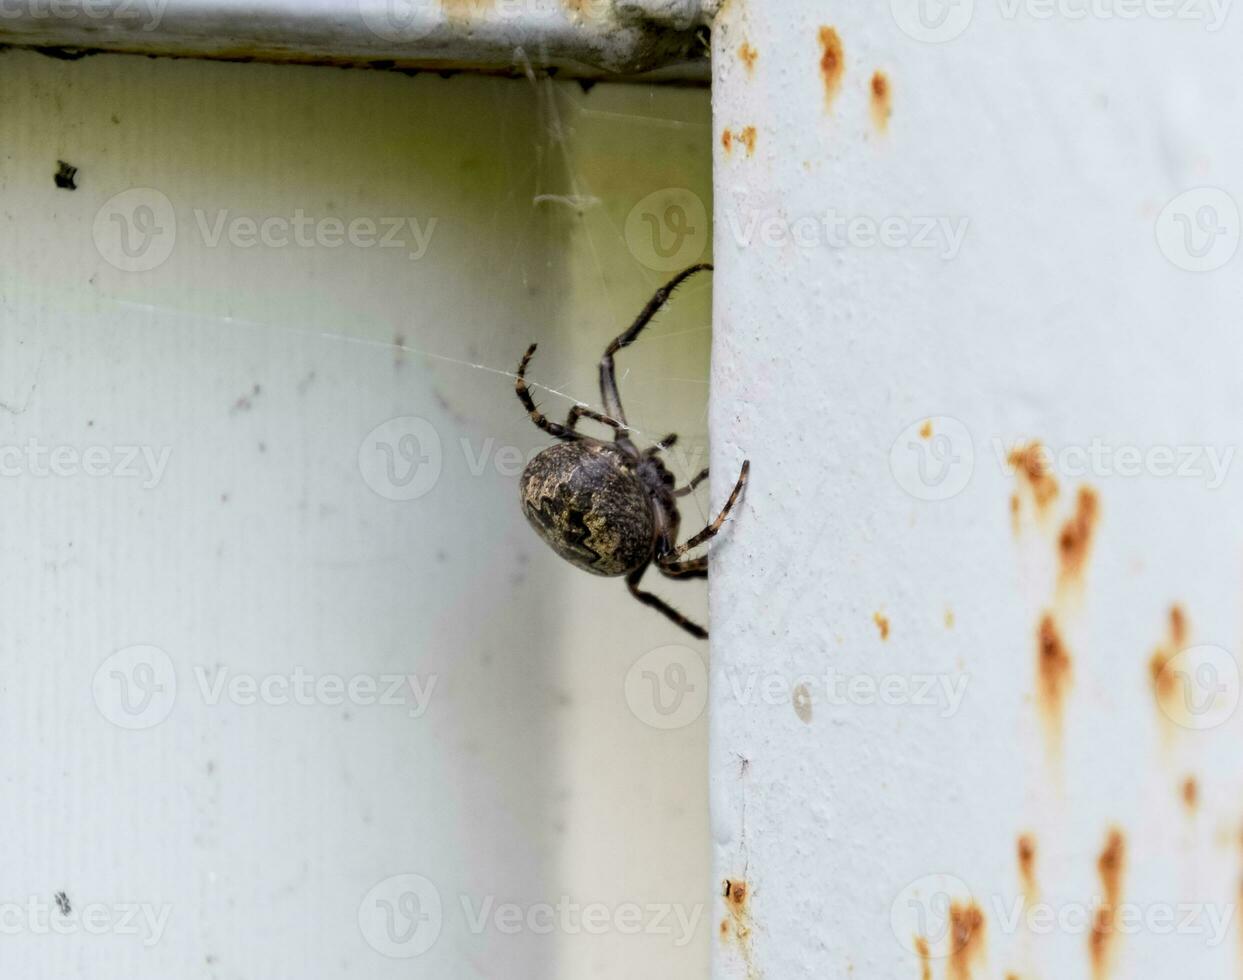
(653, 39)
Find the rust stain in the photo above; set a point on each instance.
(746, 136)
(1031, 465)
(1027, 865)
(465, 8)
(925, 430)
(882, 624)
(1074, 544)
(882, 100)
(737, 923)
(832, 63)
(749, 55)
(1191, 793)
(1054, 675)
(1111, 866)
(1178, 626)
(1166, 686)
(802, 703)
(925, 958)
(966, 940)
(1240, 896)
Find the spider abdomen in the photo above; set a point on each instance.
(585, 499)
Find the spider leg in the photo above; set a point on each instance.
(710, 531)
(662, 445)
(691, 568)
(632, 582)
(582, 411)
(690, 487)
(538, 417)
(608, 375)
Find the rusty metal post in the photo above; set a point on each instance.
(975, 628)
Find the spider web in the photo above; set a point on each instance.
(577, 186)
(596, 163)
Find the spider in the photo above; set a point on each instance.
(607, 507)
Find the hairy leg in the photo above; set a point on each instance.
(654, 602)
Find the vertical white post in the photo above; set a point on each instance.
(974, 629)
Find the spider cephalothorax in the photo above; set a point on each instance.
(607, 507)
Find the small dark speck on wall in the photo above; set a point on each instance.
(66, 176)
(246, 402)
(62, 903)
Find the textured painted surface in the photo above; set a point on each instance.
(292, 529)
(920, 284)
